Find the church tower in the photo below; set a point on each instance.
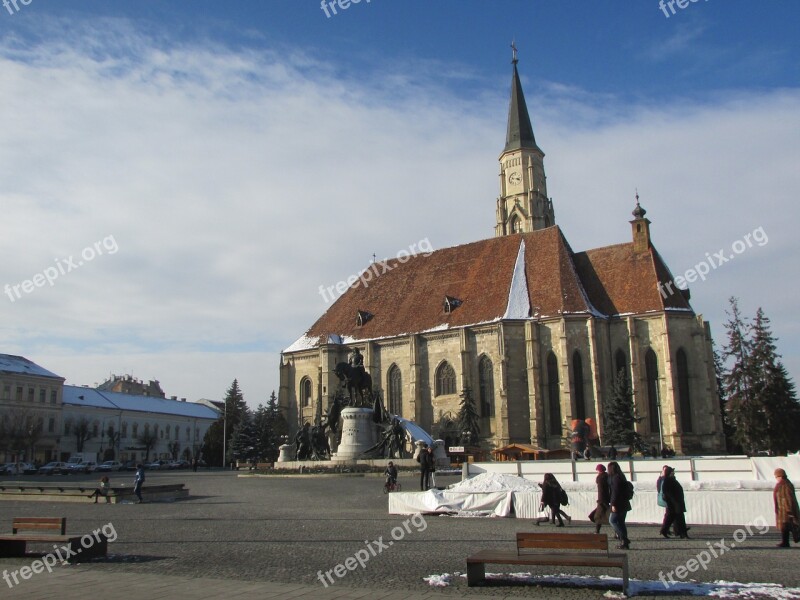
(523, 205)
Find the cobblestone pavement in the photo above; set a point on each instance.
(288, 530)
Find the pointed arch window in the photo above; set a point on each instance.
(651, 374)
(577, 379)
(683, 391)
(305, 392)
(516, 225)
(445, 380)
(486, 385)
(395, 391)
(553, 396)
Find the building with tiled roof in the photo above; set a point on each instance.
(535, 330)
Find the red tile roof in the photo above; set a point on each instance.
(409, 296)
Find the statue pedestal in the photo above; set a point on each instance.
(286, 453)
(358, 433)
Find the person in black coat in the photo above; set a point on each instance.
(603, 509)
(551, 498)
(620, 505)
(426, 467)
(672, 492)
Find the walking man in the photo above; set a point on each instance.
(138, 480)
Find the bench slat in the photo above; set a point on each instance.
(31, 523)
(571, 541)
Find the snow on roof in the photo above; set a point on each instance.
(19, 364)
(80, 396)
(519, 301)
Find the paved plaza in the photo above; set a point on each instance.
(276, 537)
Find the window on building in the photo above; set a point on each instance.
(135, 430)
(53, 396)
(31, 394)
(651, 374)
(445, 380)
(20, 391)
(553, 396)
(577, 380)
(305, 392)
(168, 431)
(683, 391)
(51, 425)
(124, 432)
(395, 379)
(6, 392)
(95, 429)
(67, 427)
(486, 386)
(188, 434)
(42, 396)
(516, 225)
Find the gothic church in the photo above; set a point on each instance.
(536, 330)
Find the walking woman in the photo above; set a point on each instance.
(620, 504)
(787, 514)
(603, 509)
(551, 498)
(672, 494)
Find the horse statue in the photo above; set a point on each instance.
(334, 413)
(355, 378)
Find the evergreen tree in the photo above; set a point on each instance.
(234, 411)
(746, 416)
(468, 419)
(773, 391)
(243, 443)
(719, 375)
(619, 418)
(270, 426)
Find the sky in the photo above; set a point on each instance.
(179, 178)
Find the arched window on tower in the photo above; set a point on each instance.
(486, 385)
(516, 225)
(683, 391)
(577, 380)
(553, 397)
(651, 373)
(445, 380)
(395, 387)
(305, 392)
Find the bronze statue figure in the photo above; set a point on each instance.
(355, 379)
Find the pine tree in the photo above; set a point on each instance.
(270, 426)
(746, 416)
(232, 415)
(243, 444)
(619, 418)
(773, 391)
(719, 375)
(468, 419)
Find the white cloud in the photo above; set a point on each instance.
(235, 183)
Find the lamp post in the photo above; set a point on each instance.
(224, 432)
(660, 426)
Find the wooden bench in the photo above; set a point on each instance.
(568, 550)
(51, 530)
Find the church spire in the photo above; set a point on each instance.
(523, 204)
(520, 130)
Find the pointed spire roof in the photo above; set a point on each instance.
(520, 130)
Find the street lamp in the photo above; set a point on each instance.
(224, 432)
(660, 426)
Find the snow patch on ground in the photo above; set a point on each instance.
(716, 589)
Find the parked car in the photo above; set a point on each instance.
(9, 469)
(110, 465)
(52, 468)
(129, 466)
(28, 468)
(156, 465)
(82, 467)
(179, 464)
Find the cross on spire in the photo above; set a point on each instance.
(514, 58)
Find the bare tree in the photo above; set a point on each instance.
(148, 439)
(82, 430)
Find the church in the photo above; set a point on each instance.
(536, 331)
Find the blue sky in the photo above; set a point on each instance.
(222, 146)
